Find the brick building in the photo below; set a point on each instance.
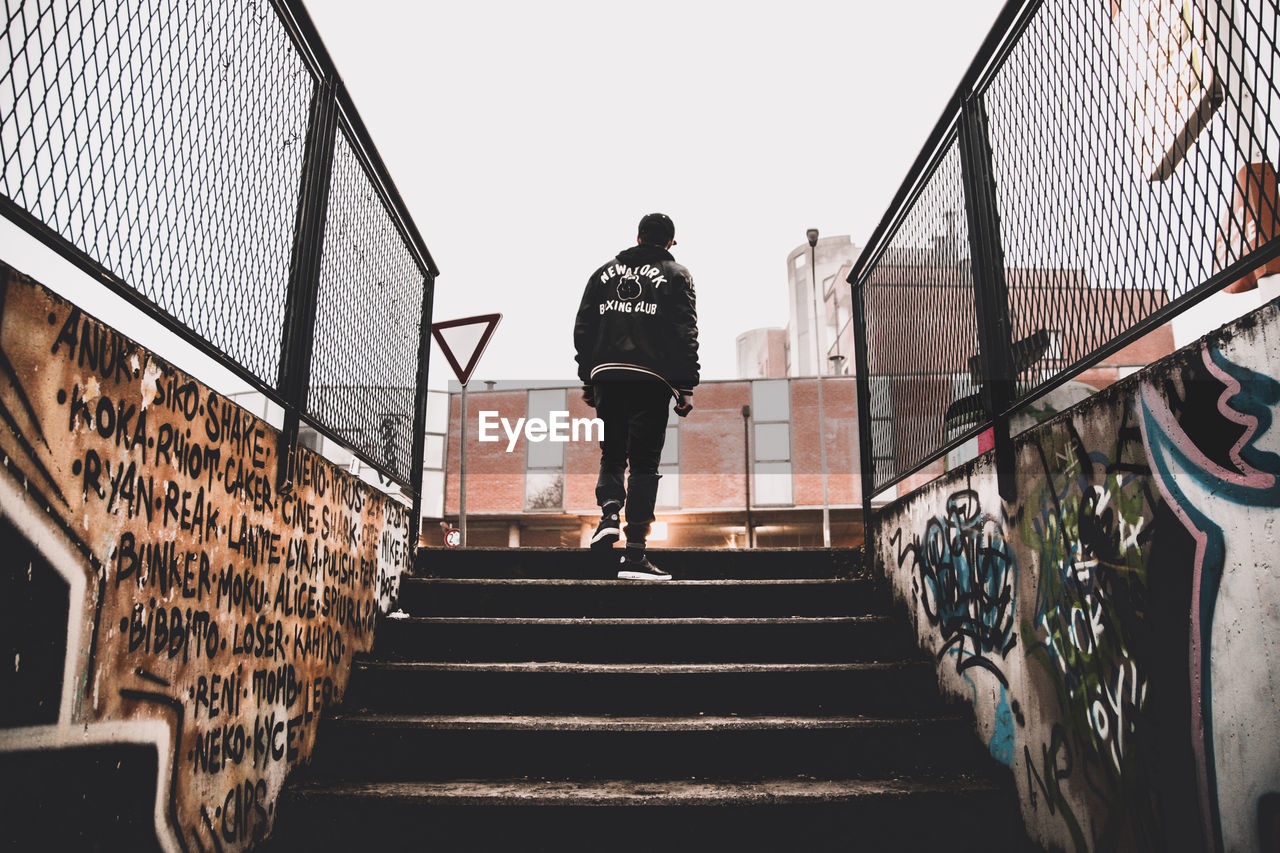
(542, 492)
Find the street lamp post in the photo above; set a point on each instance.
(462, 471)
(746, 468)
(812, 235)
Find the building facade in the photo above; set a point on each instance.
(791, 351)
(819, 266)
(525, 488)
(762, 354)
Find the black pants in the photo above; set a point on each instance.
(635, 428)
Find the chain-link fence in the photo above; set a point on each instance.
(1102, 167)
(365, 267)
(203, 160)
(921, 297)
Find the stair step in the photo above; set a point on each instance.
(644, 688)
(539, 723)
(905, 814)
(526, 699)
(683, 564)
(645, 639)
(627, 792)
(603, 597)
(426, 747)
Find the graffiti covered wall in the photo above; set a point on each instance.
(1116, 626)
(159, 592)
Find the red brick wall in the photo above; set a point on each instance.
(839, 407)
(581, 462)
(711, 455)
(711, 450)
(495, 478)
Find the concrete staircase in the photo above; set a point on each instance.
(762, 701)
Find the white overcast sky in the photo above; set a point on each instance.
(528, 139)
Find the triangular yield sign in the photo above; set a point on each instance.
(468, 335)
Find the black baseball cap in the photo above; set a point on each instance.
(657, 229)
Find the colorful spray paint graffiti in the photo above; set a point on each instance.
(195, 612)
(1087, 520)
(1224, 504)
(1146, 598)
(1137, 547)
(962, 575)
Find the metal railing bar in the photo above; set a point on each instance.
(68, 251)
(298, 22)
(376, 170)
(1259, 257)
(1111, 240)
(921, 184)
(1005, 46)
(1268, 252)
(995, 37)
(168, 66)
(418, 451)
(304, 272)
(306, 39)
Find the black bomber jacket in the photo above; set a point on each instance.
(639, 316)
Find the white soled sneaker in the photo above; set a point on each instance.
(640, 569)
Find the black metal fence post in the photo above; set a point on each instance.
(304, 273)
(866, 451)
(991, 295)
(420, 409)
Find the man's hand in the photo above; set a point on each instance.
(589, 395)
(684, 404)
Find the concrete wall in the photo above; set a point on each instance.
(172, 628)
(1116, 626)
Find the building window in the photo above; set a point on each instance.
(544, 490)
(771, 400)
(544, 460)
(434, 454)
(771, 443)
(772, 484)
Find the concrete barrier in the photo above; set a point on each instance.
(1117, 625)
(158, 591)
